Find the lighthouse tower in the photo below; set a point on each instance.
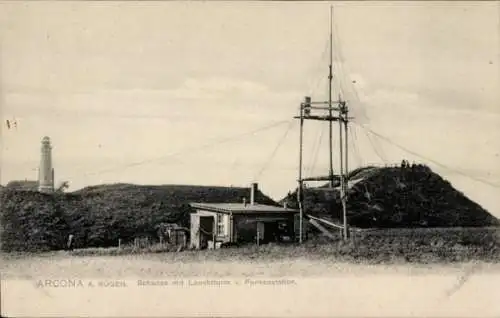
(46, 172)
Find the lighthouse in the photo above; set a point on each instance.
(46, 172)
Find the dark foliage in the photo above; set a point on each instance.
(98, 216)
(395, 197)
(31, 221)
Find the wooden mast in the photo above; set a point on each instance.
(345, 120)
(330, 113)
(305, 113)
(299, 188)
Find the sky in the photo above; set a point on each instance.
(169, 92)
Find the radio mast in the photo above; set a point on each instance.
(315, 110)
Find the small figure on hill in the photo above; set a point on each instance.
(405, 164)
(414, 168)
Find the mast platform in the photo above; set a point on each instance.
(320, 178)
(322, 118)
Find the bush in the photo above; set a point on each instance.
(32, 221)
(101, 215)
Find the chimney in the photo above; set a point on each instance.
(253, 192)
(244, 201)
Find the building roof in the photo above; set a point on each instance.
(242, 208)
(23, 185)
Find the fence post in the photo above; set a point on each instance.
(69, 244)
(119, 243)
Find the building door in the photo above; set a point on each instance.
(261, 231)
(206, 230)
(271, 231)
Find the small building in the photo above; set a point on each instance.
(215, 224)
(23, 185)
(172, 233)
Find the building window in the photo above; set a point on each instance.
(220, 224)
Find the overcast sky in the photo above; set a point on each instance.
(120, 87)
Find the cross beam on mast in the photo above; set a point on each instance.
(305, 114)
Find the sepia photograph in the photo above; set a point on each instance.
(250, 158)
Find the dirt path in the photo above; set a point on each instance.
(157, 265)
(317, 288)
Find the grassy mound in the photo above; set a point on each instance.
(397, 197)
(100, 215)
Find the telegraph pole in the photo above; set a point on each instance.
(299, 189)
(343, 178)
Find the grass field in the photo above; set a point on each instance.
(371, 250)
